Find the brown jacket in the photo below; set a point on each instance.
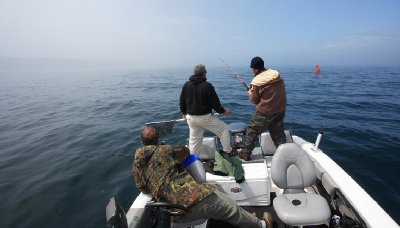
(268, 92)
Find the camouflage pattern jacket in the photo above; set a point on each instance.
(157, 171)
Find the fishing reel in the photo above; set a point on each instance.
(237, 132)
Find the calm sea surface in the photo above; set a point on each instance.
(67, 138)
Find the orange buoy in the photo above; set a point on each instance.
(317, 69)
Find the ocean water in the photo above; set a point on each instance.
(67, 138)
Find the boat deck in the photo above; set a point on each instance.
(349, 203)
(258, 157)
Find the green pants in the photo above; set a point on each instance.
(220, 206)
(260, 123)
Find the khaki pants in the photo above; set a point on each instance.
(220, 206)
(197, 124)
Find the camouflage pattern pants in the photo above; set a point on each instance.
(220, 206)
(260, 123)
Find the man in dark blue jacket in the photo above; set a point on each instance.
(197, 100)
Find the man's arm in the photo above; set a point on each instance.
(182, 102)
(138, 171)
(254, 96)
(179, 153)
(214, 100)
(140, 183)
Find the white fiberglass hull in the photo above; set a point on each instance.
(332, 178)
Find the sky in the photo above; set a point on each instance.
(181, 33)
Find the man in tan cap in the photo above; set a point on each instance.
(197, 100)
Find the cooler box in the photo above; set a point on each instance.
(254, 191)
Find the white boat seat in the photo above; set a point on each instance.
(292, 170)
(267, 145)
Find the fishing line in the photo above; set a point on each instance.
(236, 74)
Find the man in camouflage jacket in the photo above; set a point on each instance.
(156, 170)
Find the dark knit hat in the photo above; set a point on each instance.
(257, 63)
(200, 69)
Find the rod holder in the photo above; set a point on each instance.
(316, 145)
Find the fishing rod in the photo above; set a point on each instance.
(235, 73)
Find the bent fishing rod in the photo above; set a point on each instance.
(235, 73)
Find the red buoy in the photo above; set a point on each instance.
(317, 69)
